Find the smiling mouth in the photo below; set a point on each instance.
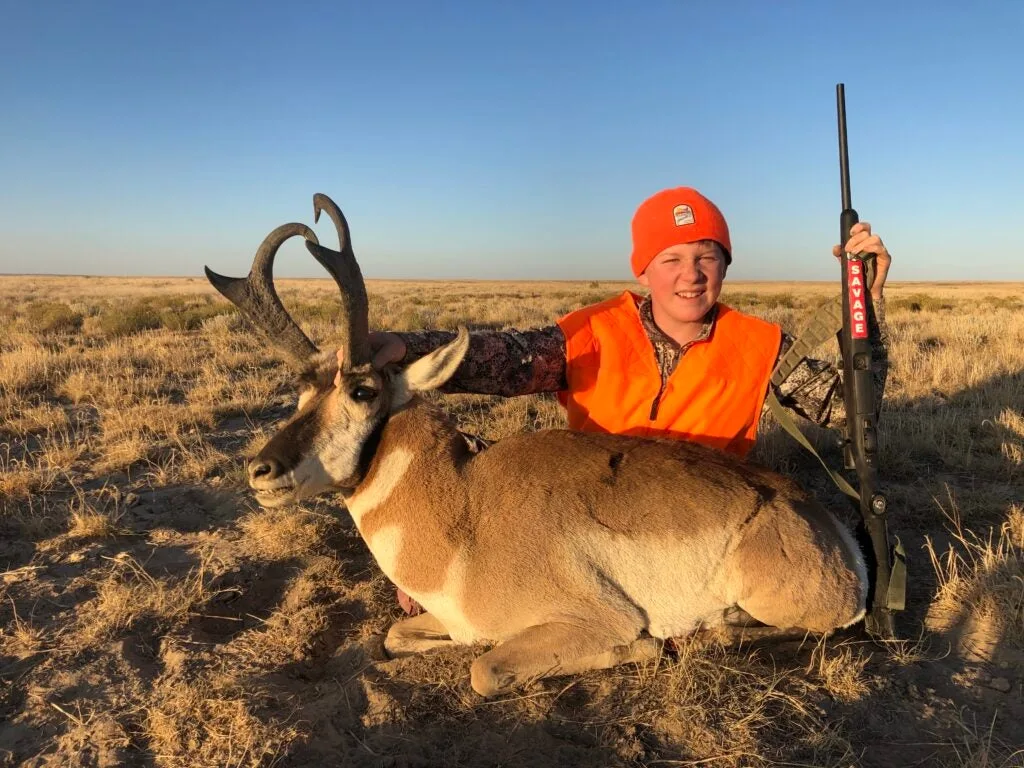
(689, 294)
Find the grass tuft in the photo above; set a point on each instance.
(981, 580)
(125, 320)
(48, 317)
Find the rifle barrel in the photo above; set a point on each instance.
(844, 155)
(859, 396)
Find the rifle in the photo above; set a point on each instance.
(860, 444)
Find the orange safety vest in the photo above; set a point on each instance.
(713, 397)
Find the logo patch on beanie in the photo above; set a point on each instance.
(683, 215)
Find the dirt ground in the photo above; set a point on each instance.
(152, 614)
(278, 660)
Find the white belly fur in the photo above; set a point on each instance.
(679, 584)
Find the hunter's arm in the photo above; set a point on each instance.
(505, 363)
(811, 389)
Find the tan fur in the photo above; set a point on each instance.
(573, 551)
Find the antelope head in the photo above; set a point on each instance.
(344, 401)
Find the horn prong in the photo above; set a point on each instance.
(343, 267)
(322, 203)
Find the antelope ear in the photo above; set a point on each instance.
(433, 370)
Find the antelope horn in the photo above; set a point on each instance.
(355, 325)
(256, 298)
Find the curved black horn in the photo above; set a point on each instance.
(256, 298)
(342, 266)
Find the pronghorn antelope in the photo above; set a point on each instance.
(570, 551)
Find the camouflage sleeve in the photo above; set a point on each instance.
(811, 389)
(505, 363)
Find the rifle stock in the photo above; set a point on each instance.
(861, 439)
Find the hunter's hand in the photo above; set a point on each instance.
(862, 241)
(386, 348)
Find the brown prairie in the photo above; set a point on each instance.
(277, 656)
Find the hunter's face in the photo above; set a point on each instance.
(686, 280)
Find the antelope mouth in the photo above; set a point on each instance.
(275, 497)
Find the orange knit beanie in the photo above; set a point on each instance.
(674, 216)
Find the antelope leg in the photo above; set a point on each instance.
(416, 635)
(554, 649)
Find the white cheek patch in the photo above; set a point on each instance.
(310, 477)
(387, 475)
(333, 459)
(340, 452)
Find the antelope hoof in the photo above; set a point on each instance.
(489, 679)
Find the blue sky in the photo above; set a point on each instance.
(487, 140)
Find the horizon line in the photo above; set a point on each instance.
(201, 278)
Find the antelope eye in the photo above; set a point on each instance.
(364, 394)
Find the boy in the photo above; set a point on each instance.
(676, 363)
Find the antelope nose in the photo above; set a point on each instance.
(263, 470)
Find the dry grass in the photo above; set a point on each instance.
(278, 534)
(25, 639)
(88, 524)
(212, 723)
(150, 616)
(129, 595)
(840, 668)
(979, 747)
(981, 581)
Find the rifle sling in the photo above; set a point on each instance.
(824, 325)
(787, 423)
(896, 599)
